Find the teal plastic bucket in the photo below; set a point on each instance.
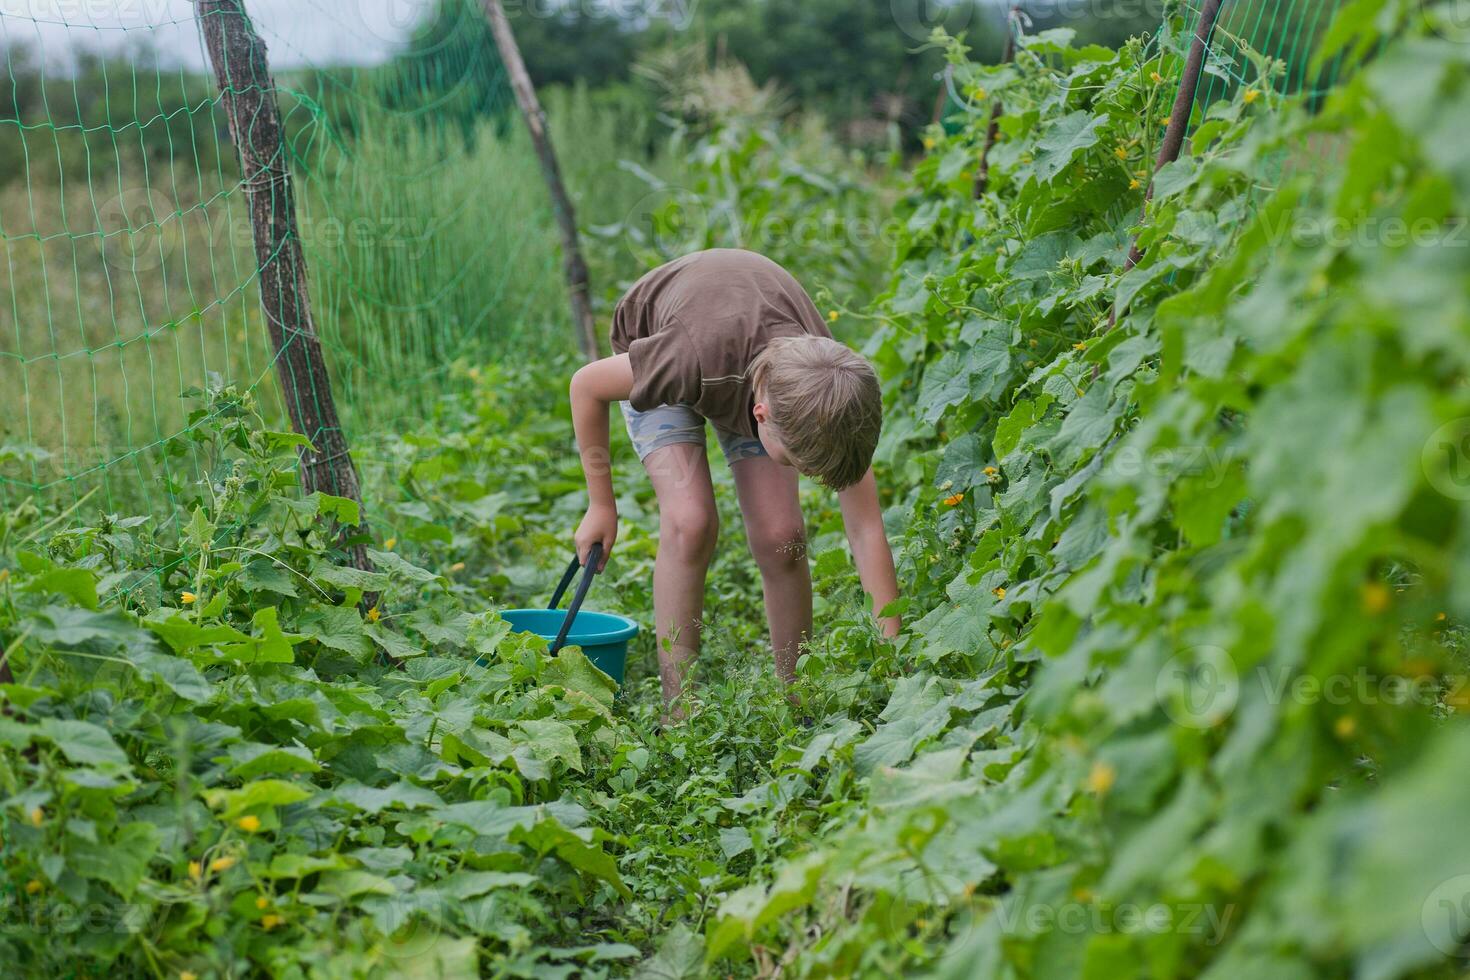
(603, 637)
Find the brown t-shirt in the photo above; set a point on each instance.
(692, 328)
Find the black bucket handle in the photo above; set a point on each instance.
(594, 558)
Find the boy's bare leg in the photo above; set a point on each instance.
(688, 527)
(777, 534)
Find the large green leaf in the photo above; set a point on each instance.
(121, 862)
(256, 795)
(550, 739)
(76, 584)
(252, 759)
(896, 741)
(1065, 138)
(572, 670)
(337, 628)
(68, 626)
(83, 743)
(401, 794)
(549, 836)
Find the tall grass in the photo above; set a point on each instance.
(130, 276)
(117, 295)
(425, 244)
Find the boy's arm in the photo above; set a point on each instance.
(863, 518)
(594, 387)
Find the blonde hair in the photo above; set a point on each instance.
(825, 405)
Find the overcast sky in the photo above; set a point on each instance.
(295, 31)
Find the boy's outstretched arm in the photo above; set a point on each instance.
(863, 517)
(595, 387)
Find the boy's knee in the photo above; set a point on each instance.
(778, 545)
(690, 532)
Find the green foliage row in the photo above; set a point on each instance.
(1150, 552)
(208, 765)
(1181, 689)
(218, 771)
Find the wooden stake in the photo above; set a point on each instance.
(1178, 121)
(574, 265)
(1183, 105)
(992, 135)
(248, 96)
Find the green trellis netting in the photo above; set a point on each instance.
(131, 283)
(1286, 31)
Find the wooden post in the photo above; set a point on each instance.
(1183, 105)
(992, 135)
(248, 96)
(1178, 121)
(566, 219)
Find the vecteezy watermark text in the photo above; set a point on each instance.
(1308, 231)
(1202, 686)
(1205, 921)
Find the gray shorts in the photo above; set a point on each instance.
(670, 425)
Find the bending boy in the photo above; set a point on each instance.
(729, 336)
